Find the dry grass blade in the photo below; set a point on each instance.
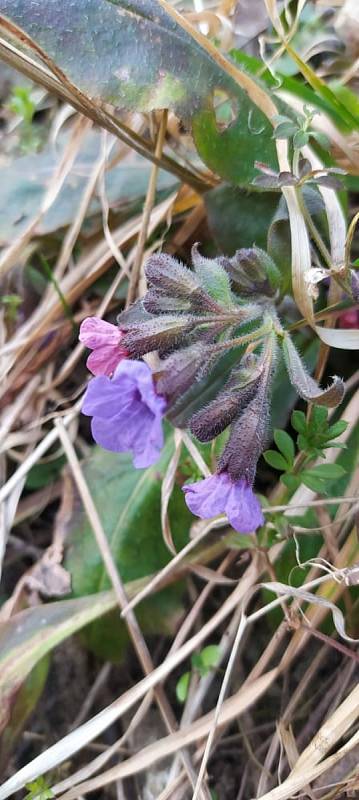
(166, 491)
(295, 782)
(175, 563)
(10, 256)
(338, 618)
(76, 740)
(150, 198)
(9, 416)
(191, 708)
(88, 269)
(37, 453)
(105, 550)
(231, 708)
(217, 713)
(330, 733)
(85, 772)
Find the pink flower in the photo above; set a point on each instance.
(349, 319)
(105, 341)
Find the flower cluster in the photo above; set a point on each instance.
(195, 319)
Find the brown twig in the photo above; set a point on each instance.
(150, 198)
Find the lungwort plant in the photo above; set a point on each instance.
(142, 127)
(192, 318)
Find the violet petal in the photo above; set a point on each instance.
(218, 494)
(127, 413)
(243, 508)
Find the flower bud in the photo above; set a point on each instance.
(214, 418)
(252, 271)
(168, 278)
(249, 432)
(157, 303)
(167, 275)
(177, 373)
(248, 439)
(213, 278)
(162, 333)
(136, 314)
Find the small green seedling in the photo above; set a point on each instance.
(11, 303)
(314, 437)
(299, 130)
(39, 790)
(202, 663)
(22, 104)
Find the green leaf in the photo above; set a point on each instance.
(91, 41)
(291, 481)
(276, 460)
(210, 656)
(284, 396)
(303, 443)
(22, 104)
(305, 385)
(300, 139)
(280, 118)
(330, 181)
(326, 471)
(239, 219)
(337, 429)
(296, 87)
(129, 504)
(24, 703)
(213, 278)
(313, 483)
(206, 660)
(182, 687)
(28, 636)
(321, 88)
(43, 474)
(336, 445)
(346, 96)
(285, 444)
(318, 419)
(298, 421)
(285, 130)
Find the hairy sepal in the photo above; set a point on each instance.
(177, 373)
(168, 278)
(252, 272)
(250, 430)
(304, 384)
(215, 417)
(213, 278)
(162, 333)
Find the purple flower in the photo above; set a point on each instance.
(220, 495)
(105, 341)
(126, 412)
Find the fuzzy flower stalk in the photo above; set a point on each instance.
(244, 404)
